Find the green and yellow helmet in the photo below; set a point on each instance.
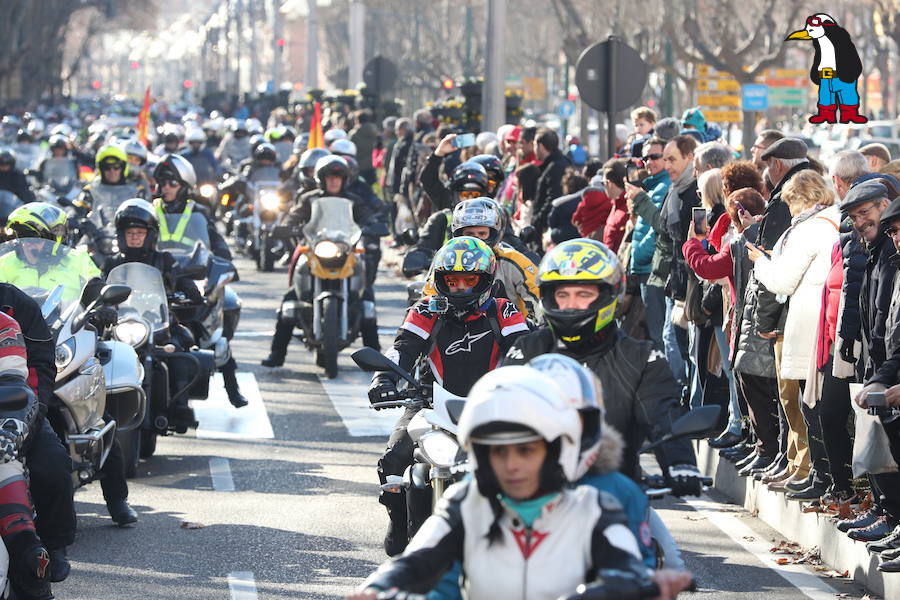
(111, 153)
(580, 261)
(39, 220)
(461, 258)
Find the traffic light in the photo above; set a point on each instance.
(135, 65)
(280, 42)
(95, 84)
(187, 84)
(447, 83)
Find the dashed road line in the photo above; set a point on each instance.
(242, 585)
(220, 472)
(220, 420)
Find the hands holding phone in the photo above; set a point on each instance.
(755, 252)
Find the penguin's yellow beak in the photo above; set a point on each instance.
(799, 35)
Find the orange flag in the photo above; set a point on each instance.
(316, 138)
(143, 123)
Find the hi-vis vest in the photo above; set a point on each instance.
(178, 234)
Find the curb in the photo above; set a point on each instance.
(807, 529)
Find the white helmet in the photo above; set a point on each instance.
(518, 404)
(335, 133)
(344, 147)
(582, 389)
(195, 134)
(254, 126)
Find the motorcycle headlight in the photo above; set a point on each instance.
(132, 332)
(65, 352)
(207, 190)
(439, 448)
(270, 201)
(327, 249)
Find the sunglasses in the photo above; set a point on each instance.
(468, 281)
(469, 194)
(110, 167)
(170, 183)
(654, 156)
(817, 22)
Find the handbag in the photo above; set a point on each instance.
(871, 449)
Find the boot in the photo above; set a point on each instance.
(59, 565)
(229, 376)
(369, 330)
(850, 114)
(397, 536)
(284, 330)
(121, 512)
(827, 114)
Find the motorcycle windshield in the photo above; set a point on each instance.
(105, 200)
(266, 175)
(179, 233)
(331, 218)
(148, 293)
(60, 173)
(46, 271)
(8, 203)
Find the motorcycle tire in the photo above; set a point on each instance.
(130, 441)
(148, 442)
(329, 352)
(266, 253)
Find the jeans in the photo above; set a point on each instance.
(664, 538)
(674, 342)
(694, 334)
(734, 409)
(834, 91)
(654, 298)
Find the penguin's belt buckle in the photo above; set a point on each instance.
(827, 74)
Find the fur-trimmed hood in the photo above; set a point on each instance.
(609, 456)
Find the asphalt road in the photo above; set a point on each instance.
(293, 513)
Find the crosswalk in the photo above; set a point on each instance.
(348, 395)
(220, 420)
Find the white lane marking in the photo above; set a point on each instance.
(391, 331)
(254, 334)
(349, 395)
(220, 471)
(242, 585)
(220, 420)
(811, 585)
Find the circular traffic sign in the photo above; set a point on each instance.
(610, 75)
(380, 75)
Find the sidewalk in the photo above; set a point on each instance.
(811, 529)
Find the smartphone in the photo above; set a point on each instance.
(635, 175)
(464, 140)
(875, 399)
(764, 252)
(741, 210)
(699, 217)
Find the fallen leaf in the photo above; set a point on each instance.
(190, 525)
(749, 538)
(782, 561)
(690, 518)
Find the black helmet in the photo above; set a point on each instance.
(136, 212)
(171, 138)
(58, 141)
(494, 169)
(24, 135)
(265, 151)
(7, 157)
(256, 140)
(469, 180)
(332, 165)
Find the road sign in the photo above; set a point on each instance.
(565, 109)
(718, 100)
(718, 85)
(534, 88)
(787, 96)
(380, 75)
(755, 96)
(610, 86)
(723, 116)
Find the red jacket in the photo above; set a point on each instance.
(828, 313)
(592, 211)
(615, 224)
(710, 266)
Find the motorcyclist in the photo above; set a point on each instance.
(517, 517)
(332, 175)
(112, 163)
(27, 151)
(136, 154)
(46, 267)
(235, 146)
(483, 219)
(201, 157)
(303, 177)
(282, 138)
(137, 229)
(58, 147)
(581, 282)
(176, 180)
(461, 332)
(494, 169)
(171, 143)
(29, 560)
(13, 179)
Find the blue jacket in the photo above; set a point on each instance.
(643, 239)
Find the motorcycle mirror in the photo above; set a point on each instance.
(194, 271)
(371, 360)
(114, 294)
(13, 398)
(695, 424)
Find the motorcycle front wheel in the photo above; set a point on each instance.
(330, 341)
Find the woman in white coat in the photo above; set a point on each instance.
(796, 271)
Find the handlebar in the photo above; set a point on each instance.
(408, 399)
(655, 493)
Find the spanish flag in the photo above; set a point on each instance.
(143, 123)
(316, 138)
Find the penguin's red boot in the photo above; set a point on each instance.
(850, 114)
(827, 114)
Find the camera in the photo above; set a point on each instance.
(878, 406)
(635, 174)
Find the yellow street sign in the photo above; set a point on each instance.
(790, 73)
(718, 85)
(723, 116)
(534, 88)
(718, 100)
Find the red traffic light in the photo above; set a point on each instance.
(447, 83)
(280, 42)
(187, 84)
(95, 84)
(135, 64)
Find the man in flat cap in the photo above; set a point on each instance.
(877, 154)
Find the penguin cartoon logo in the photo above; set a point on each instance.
(835, 69)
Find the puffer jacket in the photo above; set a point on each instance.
(798, 267)
(854, 258)
(643, 240)
(875, 300)
(750, 353)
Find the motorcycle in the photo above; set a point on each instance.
(99, 229)
(438, 459)
(60, 177)
(268, 210)
(329, 281)
(213, 321)
(144, 325)
(93, 377)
